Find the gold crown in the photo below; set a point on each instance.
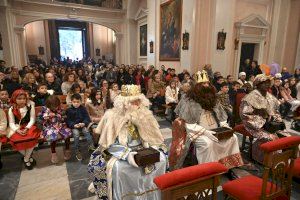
(201, 76)
(130, 90)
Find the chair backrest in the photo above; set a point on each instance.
(278, 164)
(195, 182)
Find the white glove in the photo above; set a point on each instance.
(146, 145)
(210, 135)
(224, 124)
(131, 160)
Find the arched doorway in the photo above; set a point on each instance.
(46, 39)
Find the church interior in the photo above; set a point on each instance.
(149, 99)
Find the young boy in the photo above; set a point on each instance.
(78, 120)
(223, 98)
(4, 99)
(42, 95)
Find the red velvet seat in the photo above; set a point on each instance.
(190, 180)
(268, 187)
(251, 184)
(296, 169)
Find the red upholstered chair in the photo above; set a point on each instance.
(277, 177)
(296, 169)
(240, 128)
(195, 182)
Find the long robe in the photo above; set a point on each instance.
(254, 123)
(113, 176)
(190, 127)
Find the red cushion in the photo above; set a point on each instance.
(282, 143)
(188, 174)
(246, 188)
(240, 128)
(296, 168)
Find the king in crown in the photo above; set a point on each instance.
(128, 127)
(198, 114)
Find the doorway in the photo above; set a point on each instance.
(247, 52)
(70, 43)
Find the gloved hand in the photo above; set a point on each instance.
(210, 135)
(146, 145)
(224, 124)
(131, 160)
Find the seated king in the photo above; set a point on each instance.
(199, 113)
(124, 130)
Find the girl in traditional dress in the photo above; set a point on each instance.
(23, 133)
(54, 127)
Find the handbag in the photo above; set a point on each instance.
(273, 126)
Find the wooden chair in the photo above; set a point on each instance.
(246, 146)
(277, 177)
(296, 168)
(195, 182)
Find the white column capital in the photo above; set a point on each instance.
(19, 29)
(119, 36)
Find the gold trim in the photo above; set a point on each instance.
(139, 194)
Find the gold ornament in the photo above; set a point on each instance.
(201, 76)
(130, 90)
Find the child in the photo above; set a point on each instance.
(95, 108)
(23, 134)
(4, 99)
(75, 89)
(114, 92)
(78, 120)
(42, 95)
(171, 98)
(223, 98)
(54, 127)
(3, 126)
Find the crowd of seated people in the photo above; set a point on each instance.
(89, 89)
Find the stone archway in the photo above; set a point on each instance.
(22, 13)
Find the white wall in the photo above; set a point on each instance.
(35, 37)
(103, 38)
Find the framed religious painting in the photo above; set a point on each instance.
(170, 30)
(143, 40)
(221, 40)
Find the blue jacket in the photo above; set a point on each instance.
(77, 115)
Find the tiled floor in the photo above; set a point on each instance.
(67, 180)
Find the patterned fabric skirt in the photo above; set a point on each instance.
(22, 142)
(53, 134)
(97, 169)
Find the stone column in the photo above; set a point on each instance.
(119, 55)
(21, 56)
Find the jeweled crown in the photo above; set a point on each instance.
(201, 76)
(130, 90)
